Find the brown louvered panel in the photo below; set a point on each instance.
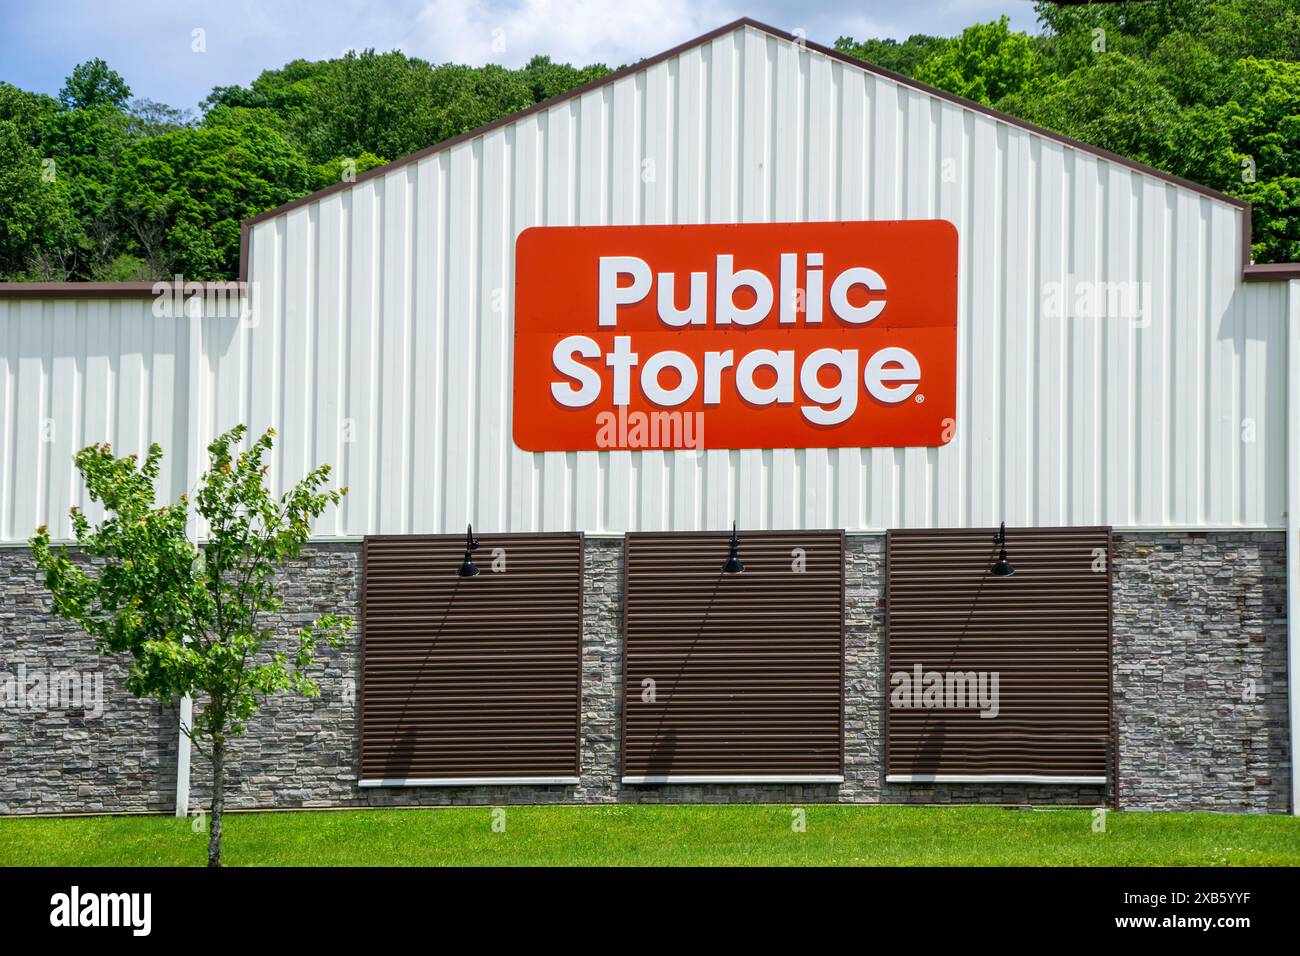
(748, 668)
(1046, 632)
(471, 677)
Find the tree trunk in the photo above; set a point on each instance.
(218, 799)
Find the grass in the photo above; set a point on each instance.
(640, 835)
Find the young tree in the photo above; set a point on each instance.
(193, 620)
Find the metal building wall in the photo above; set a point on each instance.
(74, 372)
(381, 339)
(393, 303)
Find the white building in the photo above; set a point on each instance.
(1120, 362)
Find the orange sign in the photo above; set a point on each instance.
(763, 335)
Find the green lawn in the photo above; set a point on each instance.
(665, 835)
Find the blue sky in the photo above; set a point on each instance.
(150, 42)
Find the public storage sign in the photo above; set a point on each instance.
(762, 335)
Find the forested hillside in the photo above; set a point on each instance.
(96, 184)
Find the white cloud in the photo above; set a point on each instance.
(581, 31)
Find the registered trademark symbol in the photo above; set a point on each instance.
(920, 399)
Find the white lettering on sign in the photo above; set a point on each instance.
(671, 378)
(727, 281)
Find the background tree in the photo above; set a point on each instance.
(150, 118)
(1162, 81)
(30, 112)
(86, 145)
(93, 84)
(902, 57)
(389, 104)
(545, 78)
(193, 621)
(986, 63)
(1116, 102)
(1263, 122)
(154, 191)
(37, 227)
(183, 194)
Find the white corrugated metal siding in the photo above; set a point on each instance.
(381, 335)
(76, 372)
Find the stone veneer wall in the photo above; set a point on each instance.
(110, 753)
(1196, 616)
(1200, 671)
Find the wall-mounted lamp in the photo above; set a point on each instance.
(467, 567)
(733, 565)
(1002, 568)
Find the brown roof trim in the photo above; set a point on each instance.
(1251, 272)
(1262, 271)
(106, 290)
(65, 290)
(1271, 271)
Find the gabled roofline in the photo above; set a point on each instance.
(1251, 272)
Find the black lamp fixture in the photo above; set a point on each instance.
(733, 565)
(467, 567)
(1002, 568)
